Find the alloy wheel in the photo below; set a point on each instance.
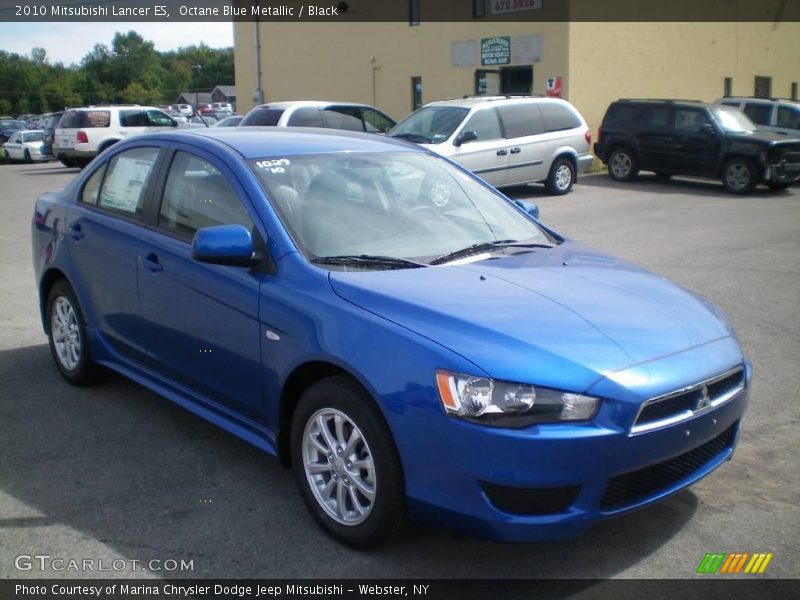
(621, 164)
(738, 176)
(66, 333)
(563, 177)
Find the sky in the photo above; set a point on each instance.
(70, 42)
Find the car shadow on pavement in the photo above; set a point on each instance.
(116, 471)
(678, 185)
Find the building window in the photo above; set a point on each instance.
(414, 12)
(416, 92)
(478, 9)
(728, 90)
(794, 90)
(763, 87)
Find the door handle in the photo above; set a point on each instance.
(74, 231)
(150, 262)
(516, 150)
(501, 152)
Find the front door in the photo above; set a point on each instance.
(698, 141)
(486, 155)
(201, 320)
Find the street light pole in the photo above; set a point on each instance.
(195, 70)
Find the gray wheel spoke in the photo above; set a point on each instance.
(341, 495)
(368, 491)
(338, 425)
(318, 468)
(355, 501)
(319, 446)
(355, 437)
(328, 489)
(326, 434)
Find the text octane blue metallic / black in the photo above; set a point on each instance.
(406, 337)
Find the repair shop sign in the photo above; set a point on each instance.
(496, 50)
(554, 87)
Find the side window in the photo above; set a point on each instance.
(620, 115)
(92, 187)
(375, 121)
(558, 117)
(690, 120)
(759, 113)
(133, 118)
(126, 180)
(486, 124)
(343, 117)
(788, 117)
(198, 195)
(156, 118)
(655, 117)
(307, 116)
(521, 120)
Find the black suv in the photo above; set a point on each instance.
(676, 137)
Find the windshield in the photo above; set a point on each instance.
(430, 124)
(405, 205)
(732, 120)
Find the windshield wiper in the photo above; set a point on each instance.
(484, 247)
(413, 137)
(391, 262)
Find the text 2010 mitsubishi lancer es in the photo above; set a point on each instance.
(408, 339)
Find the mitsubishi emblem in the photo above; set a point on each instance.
(705, 399)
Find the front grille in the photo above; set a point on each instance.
(684, 404)
(632, 487)
(531, 501)
(792, 157)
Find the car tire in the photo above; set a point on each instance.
(67, 162)
(740, 175)
(561, 177)
(66, 332)
(353, 486)
(6, 156)
(623, 164)
(27, 157)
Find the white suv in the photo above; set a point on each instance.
(83, 133)
(770, 114)
(505, 140)
(223, 107)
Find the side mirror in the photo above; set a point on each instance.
(707, 128)
(529, 207)
(224, 245)
(465, 137)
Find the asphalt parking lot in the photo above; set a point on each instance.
(116, 472)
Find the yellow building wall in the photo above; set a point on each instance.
(677, 60)
(374, 62)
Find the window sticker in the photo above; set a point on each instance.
(125, 183)
(273, 166)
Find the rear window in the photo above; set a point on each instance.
(263, 116)
(620, 115)
(521, 120)
(558, 117)
(85, 119)
(759, 113)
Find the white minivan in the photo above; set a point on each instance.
(506, 140)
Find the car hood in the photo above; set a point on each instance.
(768, 138)
(533, 314)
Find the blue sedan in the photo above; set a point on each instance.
(405, 337)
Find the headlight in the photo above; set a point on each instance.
(506, 404)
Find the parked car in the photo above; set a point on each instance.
(673, 137)
(402, 334)
(348, 116)
(49, 129)
(232, 121)
(223, 107)
(9, 127)
(769, 114)
(83, 133)
(24, 145)
(202, 121)
(185, 109)
(507, 141)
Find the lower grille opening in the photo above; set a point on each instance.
(634, 486)
(531, 501)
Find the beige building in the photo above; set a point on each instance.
(396, 66)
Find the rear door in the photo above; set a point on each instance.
(656, 140)
(487, 156)
(201, 320)
(103, 235)
(526, 142)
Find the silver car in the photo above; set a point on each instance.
(769, 114)
(506, 141)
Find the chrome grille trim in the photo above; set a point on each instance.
(704, 405)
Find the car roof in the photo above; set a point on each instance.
(472, 101)
(320, 103)
(259, 142)
(760, 100)
(667, 101)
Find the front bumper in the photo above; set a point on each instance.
(593, 469)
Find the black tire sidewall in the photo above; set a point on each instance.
(752, 169)
(634, 164)
(551, 185)
(82, 374)
(388, 510)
